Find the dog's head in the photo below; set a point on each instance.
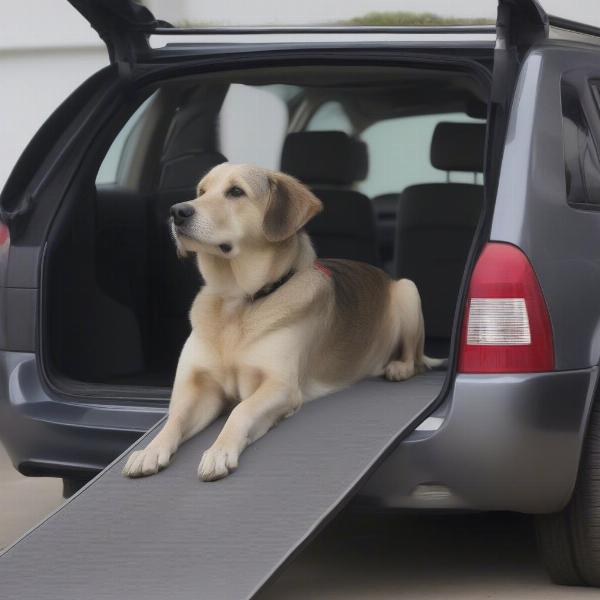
(240, 207)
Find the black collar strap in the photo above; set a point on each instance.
(270, 287)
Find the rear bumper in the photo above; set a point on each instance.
(498, 442)
(63, 437)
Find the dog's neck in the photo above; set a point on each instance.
(242, 276)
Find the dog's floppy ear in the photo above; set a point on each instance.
(289, 207)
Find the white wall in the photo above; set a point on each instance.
(46, 50)
(261, 12)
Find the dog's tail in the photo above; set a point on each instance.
(432, 363)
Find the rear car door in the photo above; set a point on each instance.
(544, 91)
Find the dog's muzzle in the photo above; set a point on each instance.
(181, 212)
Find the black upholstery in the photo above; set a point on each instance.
(175, 281)
(329, 162)
(185, 170)
(435, 229)
(325, 157)
(385, 206)
(346, 228)
(97, 282)
(436, 223)
(458, 147)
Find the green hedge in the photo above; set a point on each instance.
(411, 18)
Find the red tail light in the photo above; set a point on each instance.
(506, 328)
(4, 235)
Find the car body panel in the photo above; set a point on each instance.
(45, 435)
(531, 209)
(506, 442)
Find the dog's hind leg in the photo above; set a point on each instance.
(248, 421)
(409, 361)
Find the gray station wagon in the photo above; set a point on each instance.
(465, 158)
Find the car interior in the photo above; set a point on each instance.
(394, 154)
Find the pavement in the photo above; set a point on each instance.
(24, 501)
(422, 557)
(366, 555)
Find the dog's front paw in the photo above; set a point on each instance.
(146, 462)
(217, 462)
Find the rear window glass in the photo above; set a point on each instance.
(330, 116)
(582, 163)
(252, 124)
(113, 167)
(399, 154)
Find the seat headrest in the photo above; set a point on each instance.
(325, 157)
(186, 170)
(458, 146)
(347, 213)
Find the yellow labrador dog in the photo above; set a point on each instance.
(272, 327)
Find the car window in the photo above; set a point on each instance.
(399, 154)
(582, 164)
(330, 116)
(252, 125)
(110, 170)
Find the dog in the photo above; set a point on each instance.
(273, 327)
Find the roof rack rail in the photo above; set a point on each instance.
(443, 29)
(574, 26)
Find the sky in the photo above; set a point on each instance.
(252, 12)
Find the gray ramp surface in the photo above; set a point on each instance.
(172, 536)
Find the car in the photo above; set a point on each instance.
(465, 158)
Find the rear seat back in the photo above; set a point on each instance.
(177, 285)
(436, 223)
(329, 162)
(175, 281)
(385, 206)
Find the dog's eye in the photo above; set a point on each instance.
(200, 192)
(235, 192)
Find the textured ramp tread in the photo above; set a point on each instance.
(172, 536)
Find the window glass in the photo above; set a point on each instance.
(252, 125)
(330, 116)
(582, 166)
(109, 169)
(399, 154)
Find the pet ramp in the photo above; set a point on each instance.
(172, 536)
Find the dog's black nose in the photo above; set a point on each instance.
(181, 212)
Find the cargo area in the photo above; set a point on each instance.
(394, 154)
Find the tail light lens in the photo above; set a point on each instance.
(4, 249)
(4, 235)
(506, 328)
